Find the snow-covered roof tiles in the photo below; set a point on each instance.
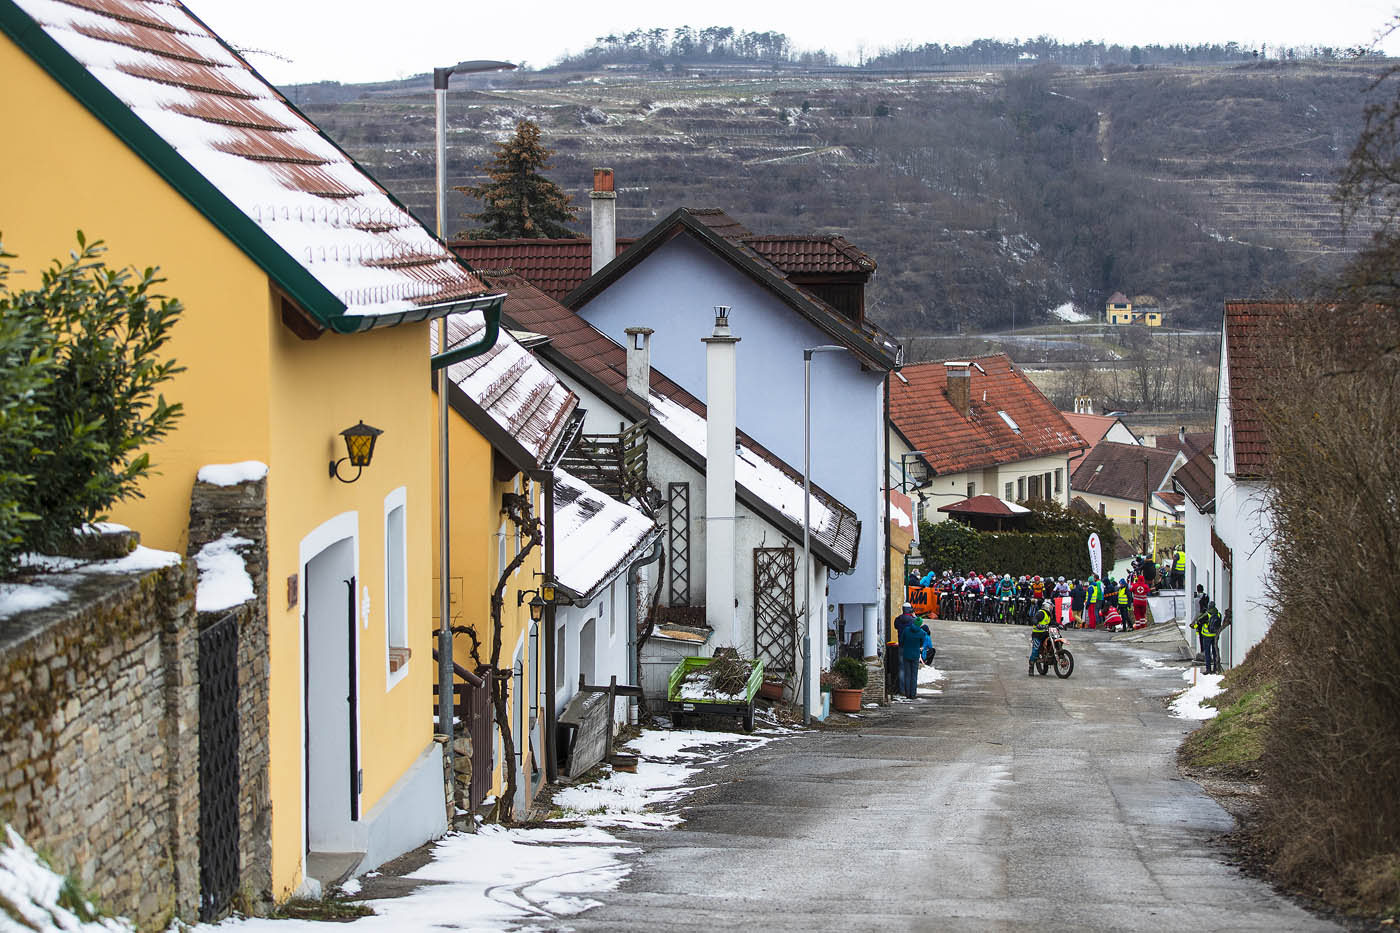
(332, 238)
(762, 476)
(594, 535)
(523, 399)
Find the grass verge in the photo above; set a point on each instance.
(1230, 745)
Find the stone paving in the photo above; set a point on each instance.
(1005, 802)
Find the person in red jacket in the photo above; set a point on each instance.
(1140, 590)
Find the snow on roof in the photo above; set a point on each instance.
(751, 471)
(273, 164)
(594, 534)
(523, 397)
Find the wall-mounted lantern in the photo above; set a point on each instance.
(536, 603)
(359, 447)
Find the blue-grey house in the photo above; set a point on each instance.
(786, 293)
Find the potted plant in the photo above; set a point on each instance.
(772, 688)
(847, 699)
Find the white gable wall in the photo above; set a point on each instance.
(674, 291)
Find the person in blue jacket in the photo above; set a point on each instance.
(913, 640)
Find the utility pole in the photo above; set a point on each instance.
(1146, 498)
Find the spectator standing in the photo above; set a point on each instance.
(912, 642)
(1076, 602)
(904, 621)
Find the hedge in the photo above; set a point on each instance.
(1061, 550)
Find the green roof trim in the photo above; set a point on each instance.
(289, 275)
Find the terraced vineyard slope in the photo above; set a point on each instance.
(982, 194)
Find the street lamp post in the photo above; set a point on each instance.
(446, 694)
(808, 652)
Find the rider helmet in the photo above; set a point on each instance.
(1061, 580)
(1047, 605)
(1006, 576)
(908, 607)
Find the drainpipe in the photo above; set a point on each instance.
(551, 765)
(634, 579)
(440, 361)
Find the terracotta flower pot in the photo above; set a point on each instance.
(771, 690)
(846, 701)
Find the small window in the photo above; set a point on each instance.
(1021, 489)
(1059, 481)
(971, 490)
(501, 559)
(1101, 509)
(396, 582)
(1010, 487)
(561, 674)
(1132, 516)
(1010, 422)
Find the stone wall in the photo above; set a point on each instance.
(241, 510)
(99, 745)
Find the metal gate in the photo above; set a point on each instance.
(218, 767)
(481, 720)
(774, 618)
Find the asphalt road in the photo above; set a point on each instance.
(1004, 803)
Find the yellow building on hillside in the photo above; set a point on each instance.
(1119, 310)
(309, 296)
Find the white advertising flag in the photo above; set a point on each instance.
(1096, 554)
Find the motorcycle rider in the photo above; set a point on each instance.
(1040, 630)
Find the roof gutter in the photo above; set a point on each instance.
(477, 347)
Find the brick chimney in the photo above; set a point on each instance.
(603, 212)
(721, 372)
(639, 363)
(960, 386)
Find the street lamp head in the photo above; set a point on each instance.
(440, 75)
(825, 348)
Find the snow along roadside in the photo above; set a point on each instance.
(507, 879)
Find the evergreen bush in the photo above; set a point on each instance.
(25, 368)
(853, 672)
(101, 336)
(1055, 542)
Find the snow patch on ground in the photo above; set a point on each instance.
(231, 474)
(1187, 705)
(223, 580)
(931, 675)
(1066, 312)
(667, 758)
(31, 889)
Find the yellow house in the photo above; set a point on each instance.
(1119, 310)
(509, 411)
(309, 296)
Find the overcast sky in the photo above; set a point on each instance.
(371, 40)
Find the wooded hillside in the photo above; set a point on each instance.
(981, 192)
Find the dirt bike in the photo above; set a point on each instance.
(1054, 652)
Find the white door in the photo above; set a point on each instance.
(332, 767)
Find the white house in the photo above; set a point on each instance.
(598, 540)
(662, 431)
(788, 294)
(1241, 545)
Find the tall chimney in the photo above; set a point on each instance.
(720, 376)
(639, 362)
(603, 211)
(960, 386)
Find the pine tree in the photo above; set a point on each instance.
(518, 201)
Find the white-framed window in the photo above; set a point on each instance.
(1059, 481)
(1021, 489)
(502, 558)
(1010, 490)
(971, 490)
(396, 586)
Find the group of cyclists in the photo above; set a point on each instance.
(986, 597)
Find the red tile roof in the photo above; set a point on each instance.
(1090, 427)
(605, 361)
(1115, 470)
(554, 266)
(1172, 499)
(808, 255)
(1194, 443)
(953, 443)
(1196, 478)
(984, 505)
(1249, 328)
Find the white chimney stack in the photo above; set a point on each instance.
(721, 403)
(603, 212)
(639, 362)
